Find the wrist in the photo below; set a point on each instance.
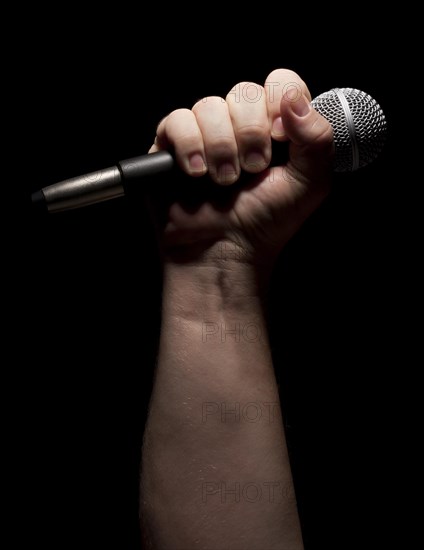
(227, 286)
(221, 308)
(220, 252)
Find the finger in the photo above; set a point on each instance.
(220, 144)
(282, 83)
(311, 137)
(248, 111)
(161, 142)
(180, 131)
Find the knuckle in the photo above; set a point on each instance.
(178, 113)
(222, 143)
(254, 131)
(207, 103)
(245, 91)
(187, 141)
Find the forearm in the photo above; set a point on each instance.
(215, 469)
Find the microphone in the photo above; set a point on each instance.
(359, 129)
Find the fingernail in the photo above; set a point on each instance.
(277, 127)
(254, 161)
(196, 163)
(227, 173)
(301, 107)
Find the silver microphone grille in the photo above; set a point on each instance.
(359, 126)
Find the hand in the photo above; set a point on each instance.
(223, 138)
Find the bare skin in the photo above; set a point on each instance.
(215, 468)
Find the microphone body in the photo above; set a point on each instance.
(359, 129)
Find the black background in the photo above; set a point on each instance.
(88, 289)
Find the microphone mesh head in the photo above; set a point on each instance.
(359, 126)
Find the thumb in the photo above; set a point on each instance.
(311, 139)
